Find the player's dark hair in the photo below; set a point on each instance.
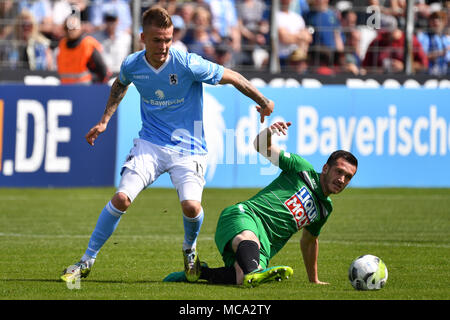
(348, 156)
(156, 16)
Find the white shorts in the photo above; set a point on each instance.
(147, 161)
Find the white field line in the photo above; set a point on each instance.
(207, 238)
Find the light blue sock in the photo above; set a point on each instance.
(106, 224)
(191, 230)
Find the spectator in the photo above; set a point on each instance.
(348, 24)
(386, 52)
(422, 13)
(327, 28)
(435, 44)
(349, 61)
(394, 8)
(224, 21)
(292, 33)
(254, 29)
(223, 55)
(202, 3)
(186, 11)
(360, 8)
(321, 58)
(352, 55)
(169, 5)
(116, 44)
(26, 47)
(301, 7)
(122, 7)
(9, 10)
(200, 40)
(298, 61)
(42, 13)
(79, 56)
(179, 30)
(424, 8)
(64, 8)
(386, 16)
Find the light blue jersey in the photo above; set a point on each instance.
(172, 97)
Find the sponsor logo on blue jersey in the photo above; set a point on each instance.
(141, 76)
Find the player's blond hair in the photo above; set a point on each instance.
(156, 16)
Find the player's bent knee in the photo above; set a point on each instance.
(191, 208)
(121, 201)
(244, 235)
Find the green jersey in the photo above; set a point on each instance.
(294, 200)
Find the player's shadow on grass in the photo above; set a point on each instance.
(202, 283)
(36, 280)
(152, 282)
(122, 281)
(85, 281)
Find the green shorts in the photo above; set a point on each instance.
(232, 221)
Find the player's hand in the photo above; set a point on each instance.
(265, 111)
(279, 127)
(92, 135)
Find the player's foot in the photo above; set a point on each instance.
(191, 265)
(78, 270)
(180, 276)
(258, 277)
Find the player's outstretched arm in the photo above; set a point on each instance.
(263, 141)
(118, 91)
(309, 246)
(265, 106)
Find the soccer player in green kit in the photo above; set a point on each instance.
(251, 232)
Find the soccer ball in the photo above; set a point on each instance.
(368, 272)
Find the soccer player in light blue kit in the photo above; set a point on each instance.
(171, 139)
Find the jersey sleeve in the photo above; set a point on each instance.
(292, 162)
(204, 70)
(123, 75)
(315, 227)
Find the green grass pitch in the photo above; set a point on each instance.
(42, 231)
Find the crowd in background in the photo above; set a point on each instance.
(314, 36)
